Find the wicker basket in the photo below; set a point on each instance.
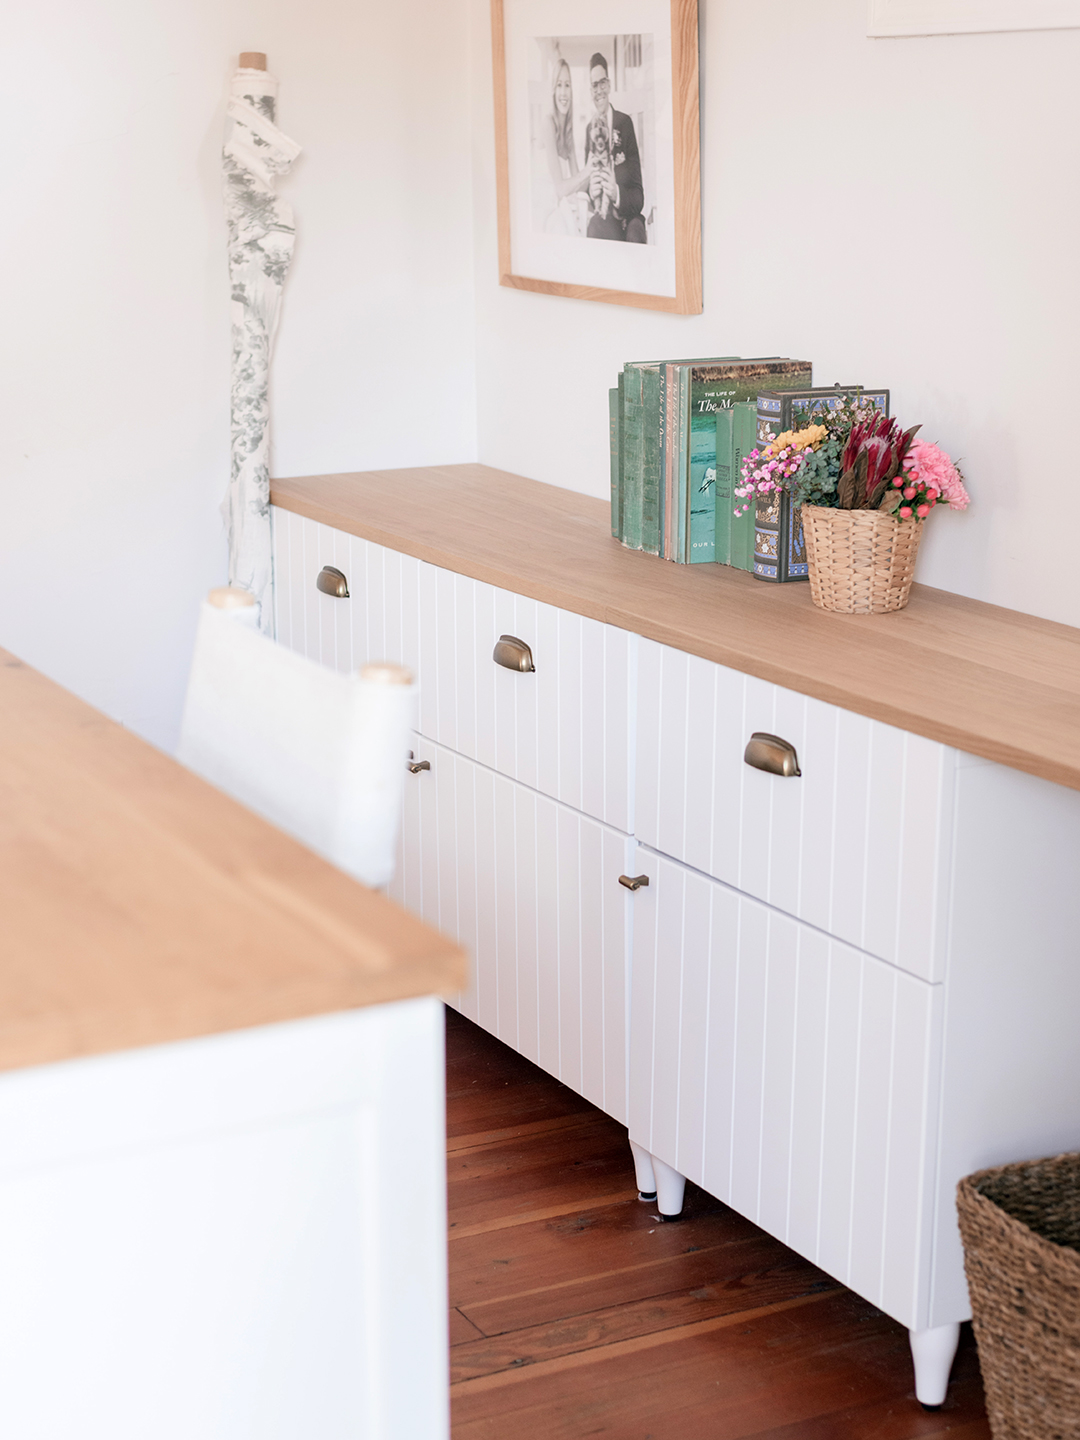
(861, 561)
(1021, 1230)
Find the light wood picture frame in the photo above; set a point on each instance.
(566, 134)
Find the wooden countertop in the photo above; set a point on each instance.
(140, 905)
(987, 680)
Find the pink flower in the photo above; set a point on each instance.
(909, 492)
(905, 512)
(938, 472)
(898, 482)
(922, 511)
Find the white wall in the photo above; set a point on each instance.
(115, 323)
(931, 198)
(901, 212)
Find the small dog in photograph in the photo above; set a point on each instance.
(600, 158)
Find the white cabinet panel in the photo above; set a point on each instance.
(563, 730)
(211, 1238)
(791, 1076)
(858, 845)
(530, 889)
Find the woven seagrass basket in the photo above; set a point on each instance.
(860, 561)
(1021, 1230)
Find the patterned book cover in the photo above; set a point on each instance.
(779, 409)
(779, 544)
(614, 422)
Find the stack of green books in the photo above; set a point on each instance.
(679, 430)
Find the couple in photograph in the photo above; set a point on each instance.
(603, 198)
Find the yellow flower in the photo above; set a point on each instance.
(808, 439)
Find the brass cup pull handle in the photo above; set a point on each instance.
(331, 581)
(769, 752)
(513, 654)
(414, 766)
(633, 882)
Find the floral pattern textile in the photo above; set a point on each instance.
(261, 237)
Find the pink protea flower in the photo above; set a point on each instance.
(928, 464)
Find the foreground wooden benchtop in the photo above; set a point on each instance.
(140, 905)
(990, 681)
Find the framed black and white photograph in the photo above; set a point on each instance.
(596, 112)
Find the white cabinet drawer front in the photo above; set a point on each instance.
(530, 889)
(379, 620)
(789, 1075)
(564, 729)
(858, 845)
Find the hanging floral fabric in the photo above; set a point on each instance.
(261, 237)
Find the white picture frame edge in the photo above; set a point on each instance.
(897, 18)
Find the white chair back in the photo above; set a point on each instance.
(320, 754)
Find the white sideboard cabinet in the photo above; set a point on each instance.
(222, 1111)
(823, 995)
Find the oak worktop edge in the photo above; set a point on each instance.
(142, 906)
(996, 683)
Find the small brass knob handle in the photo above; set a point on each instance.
(769, 752)
(331, 581)
(513, 654)
(414, 766)
(633, 882)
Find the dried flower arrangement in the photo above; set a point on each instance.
(853, 458)
(854, 485)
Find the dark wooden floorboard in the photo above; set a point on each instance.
(577, 1313)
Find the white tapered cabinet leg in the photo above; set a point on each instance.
(643, 1171)
(933, 1352)
(670, 1187)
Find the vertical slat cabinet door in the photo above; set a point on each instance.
(415, 883)
(790, 1075)
(856, 844)
(290, 594)
(445, 857)
(530, 889)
